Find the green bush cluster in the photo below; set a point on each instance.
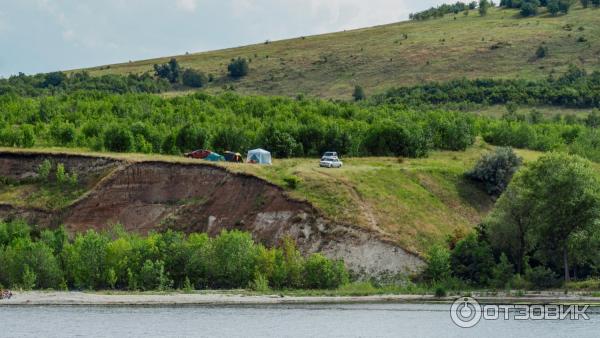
(175, 74)
(575, 88)
(59, 82)
(238, 67)
(495, 170)
(543, 226)
(44, 259)
(441, 10)
(531, 7)
(287, 127)
(60, 177)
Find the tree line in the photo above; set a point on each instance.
(441, 10)
(574, 88)
(554, 7)
(287, 127)
(165, 77)
(32, 258)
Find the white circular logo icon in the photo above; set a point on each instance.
(466, 312)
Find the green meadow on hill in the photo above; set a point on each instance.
(501, 44)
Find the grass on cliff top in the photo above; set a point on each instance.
(414, 202)
(501, 45)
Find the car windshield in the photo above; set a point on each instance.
(330, 159)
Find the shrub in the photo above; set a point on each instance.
(238, 67)
(153, 276)
(194, 78)
(233, 259)
(63, 133)
(29, 278)
(484, 6)
(61, 175)
(111, 278)
(541, 52)
(190, 137)
(188, 287)
(542, 277)
(565, 5)
(553, 7)
(472, 260)
(529, 9)
(86, 259)
(496, 170)
(170, 71)
(502, 273)
(291, 181)
(407, 140)
(438, 264)
(440, 292)
(322, 273)
(43, 172)
(260, 283)
(282, 144)
(359, 93)
(118, 138)
(229, 138)
(27, 136)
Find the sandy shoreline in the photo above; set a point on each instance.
(41, 298)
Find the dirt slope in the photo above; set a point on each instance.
(148, 195)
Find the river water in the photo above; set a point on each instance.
(356, 320)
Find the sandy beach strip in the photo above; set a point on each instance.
(49, 298)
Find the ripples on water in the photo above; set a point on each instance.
(358, 320)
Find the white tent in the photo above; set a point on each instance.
(259, 156)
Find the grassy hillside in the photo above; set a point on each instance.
(414, 202)
(502, 44)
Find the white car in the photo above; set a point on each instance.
(330, 162)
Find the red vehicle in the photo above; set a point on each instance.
(198, 154)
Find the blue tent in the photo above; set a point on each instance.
(214, 157)
(259, 156)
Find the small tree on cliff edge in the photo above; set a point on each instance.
(484, 6)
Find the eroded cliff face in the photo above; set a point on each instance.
(147, 196)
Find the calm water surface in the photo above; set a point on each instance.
(360, 320)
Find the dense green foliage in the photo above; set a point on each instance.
(544, 225)
(550, 210)
(531, 7)
(238, 68)
(44, 259)
(575, 88)
(170, 71)
(58, 82)
(193, 78)
(287, 127)
(441, 10)
(495, 170)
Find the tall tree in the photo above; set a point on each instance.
(563, 195)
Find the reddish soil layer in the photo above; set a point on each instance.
(152, 196)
